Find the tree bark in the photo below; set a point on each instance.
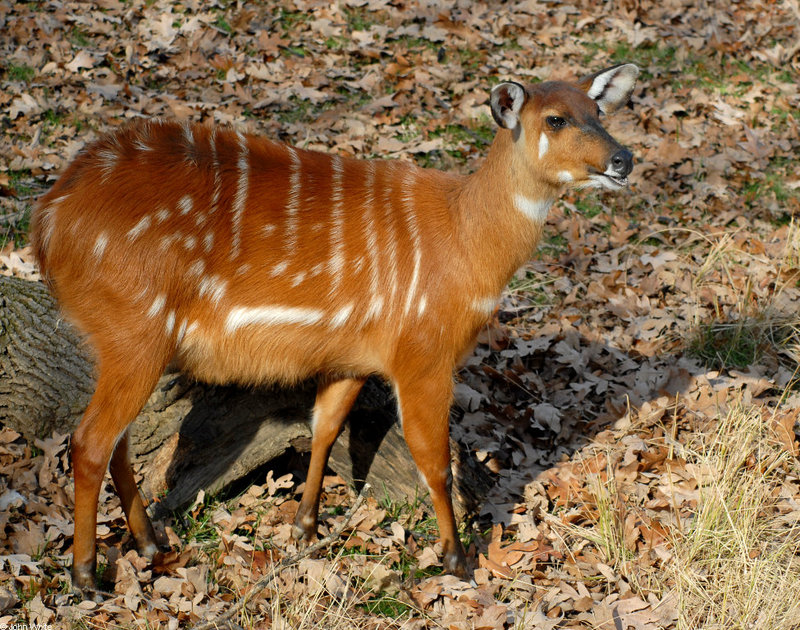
(191, 436)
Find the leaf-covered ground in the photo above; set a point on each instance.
(634, 395)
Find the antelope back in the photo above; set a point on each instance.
(252, 260)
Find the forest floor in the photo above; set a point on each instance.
(635, 396)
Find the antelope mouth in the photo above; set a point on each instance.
(608, 180)
(616, 180)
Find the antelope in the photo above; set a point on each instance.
(249, 261)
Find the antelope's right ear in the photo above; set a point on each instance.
(507, 100)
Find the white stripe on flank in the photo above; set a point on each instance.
(100, 245)
(423, 303)
(158, 305)
(188, 134)
(140, 227)
(49, 220)
(544, 144)
(341, 316)
(293, 199)
(108, 162)
(535, 209)
(217, 178)
(372, 244)
(240, 199)
(391, 240)
(336, 262)
(271, 315)
(214, 286)
(413, 230)
(140, 144)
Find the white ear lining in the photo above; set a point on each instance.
(518, 97)
(612, 88)
(507, 114)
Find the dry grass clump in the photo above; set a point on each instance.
(736, 562)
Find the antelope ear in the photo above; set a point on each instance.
(506, 101)
(612, 87)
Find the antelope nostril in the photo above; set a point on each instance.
(622, 162)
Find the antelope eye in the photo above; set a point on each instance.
(556, 122)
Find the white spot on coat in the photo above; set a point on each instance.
(341, 316)
(170, 322)
(100, 245)
(185, 204)
(214, 287)
(197, 268)
(157, 306)
(140, 227)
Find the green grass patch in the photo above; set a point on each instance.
(79, 38)
(738, 344)
(291, 20)
(358, 18)
(222, 24)
(386, 606)
(553, 246)
(20, 72)
(196, 524)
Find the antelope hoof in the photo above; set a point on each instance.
(84, 584)
(149, 550)
(455, 562)
(304, 530)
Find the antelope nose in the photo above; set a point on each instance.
(622, 162)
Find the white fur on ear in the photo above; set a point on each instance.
(611, 88)
(506, 101)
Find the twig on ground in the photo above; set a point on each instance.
(223, 620)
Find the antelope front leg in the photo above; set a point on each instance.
(424, 405)
(333, 403)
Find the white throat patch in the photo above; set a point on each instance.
(535, 209)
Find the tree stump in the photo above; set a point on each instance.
(191, 436)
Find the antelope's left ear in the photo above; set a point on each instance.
(507, 100)
(612, 87)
